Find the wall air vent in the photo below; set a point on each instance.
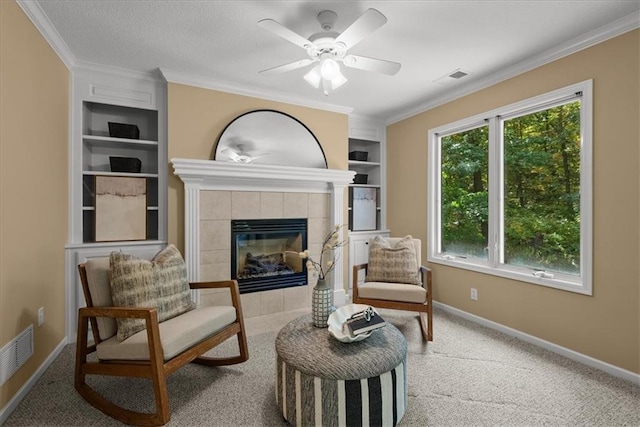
(451, 76)
(15, 353)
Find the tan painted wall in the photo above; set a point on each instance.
(605, 326)
(34, 119)
(197, 116)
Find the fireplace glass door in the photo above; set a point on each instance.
(264, 253)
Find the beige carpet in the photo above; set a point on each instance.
(468, 376)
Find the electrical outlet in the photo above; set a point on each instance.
(40, 316)
(474, 294)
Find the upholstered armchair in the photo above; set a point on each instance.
(395, 279)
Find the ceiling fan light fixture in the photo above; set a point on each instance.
(330, 80)
(314, 77)
(329, 69)
(333, 84)
(338, 81)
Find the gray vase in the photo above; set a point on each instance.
(321, 303)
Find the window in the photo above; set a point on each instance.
(510, 191)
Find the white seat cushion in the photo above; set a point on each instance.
(176, 334)
(393, 292)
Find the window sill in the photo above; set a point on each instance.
(557, 283)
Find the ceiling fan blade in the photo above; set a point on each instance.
(366, 24)
(285, 33)
(287, 67)
(372, 64)
(235, 157)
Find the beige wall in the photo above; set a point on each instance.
(605, 326)
(34, 119)
(197, 116)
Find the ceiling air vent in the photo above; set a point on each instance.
(458, 74)
(453, 75)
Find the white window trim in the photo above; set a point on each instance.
(580, 284)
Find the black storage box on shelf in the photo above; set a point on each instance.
(361, 178)
(361, 156)
(125, 164)
(123, 130)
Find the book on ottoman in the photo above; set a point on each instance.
(360, 324)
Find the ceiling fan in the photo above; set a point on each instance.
(240, 153)
(328, 48)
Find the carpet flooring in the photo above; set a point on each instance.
(468, 376)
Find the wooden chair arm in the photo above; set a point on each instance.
(233, 287)
(150, 316)
(360, 267)
(214, 285)
(354, 287)
(119, 312)
(425, 276)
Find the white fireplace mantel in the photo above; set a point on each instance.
(199, 175)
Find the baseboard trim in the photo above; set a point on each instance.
(571, 354)
(17, 398)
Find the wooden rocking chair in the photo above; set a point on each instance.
(399, 296)
(153, 354)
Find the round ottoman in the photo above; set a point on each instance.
(322, 381)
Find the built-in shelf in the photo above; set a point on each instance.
(108, 141)
(364, 164)
(109, 173)
(365, 198)
(367, 215)
(365, 185)
(98, 146)
(91, 208)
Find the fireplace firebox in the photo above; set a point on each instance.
(264, 253)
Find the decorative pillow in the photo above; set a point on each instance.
(396, 264)
(160, 283)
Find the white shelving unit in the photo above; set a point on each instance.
(98, 147)
(367, 217)
(100, 97)
(372, 170)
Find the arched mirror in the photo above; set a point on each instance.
(269, 137)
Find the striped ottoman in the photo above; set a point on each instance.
(322, 381)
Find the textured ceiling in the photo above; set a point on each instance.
(220, 41)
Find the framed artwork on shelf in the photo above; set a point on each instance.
(121, 208)
(364, 208)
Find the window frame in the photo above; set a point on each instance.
(494, 118)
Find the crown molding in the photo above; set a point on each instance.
(592, 38)
(34, 12)
(225, 86)
(370, 119)
(153, 77)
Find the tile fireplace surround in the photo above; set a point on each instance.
(217, 192)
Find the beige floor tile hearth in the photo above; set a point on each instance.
(258, 304)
